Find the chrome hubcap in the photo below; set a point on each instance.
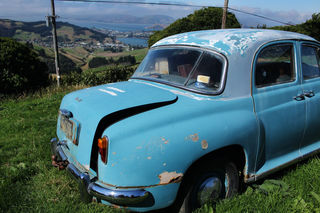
(209, 190)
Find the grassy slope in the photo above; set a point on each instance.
(28, 182)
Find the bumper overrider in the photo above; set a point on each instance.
(89, 188)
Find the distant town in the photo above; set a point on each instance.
(111, 43)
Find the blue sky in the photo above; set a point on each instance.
(293, 11)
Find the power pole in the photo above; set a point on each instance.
(55, 43)
(224, 14)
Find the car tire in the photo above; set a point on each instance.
(209, 184)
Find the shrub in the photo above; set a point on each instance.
(98, 76)
(97, 62)
(20, 68)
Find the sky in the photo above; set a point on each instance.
(289, 11)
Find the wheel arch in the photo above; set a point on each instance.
(234, 153)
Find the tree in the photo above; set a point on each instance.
(20, 68)
(203, 19)
(311, 27)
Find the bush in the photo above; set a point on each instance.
(126, 60)
(20, 68)
(97, 62)
(311, 27)
(99, 76)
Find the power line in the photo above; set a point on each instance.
(175, 4)
(264, 17)
(140, 2)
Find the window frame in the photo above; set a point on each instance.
(292, 43)
(313, 45)
(202, 50)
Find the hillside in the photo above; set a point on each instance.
(38, 31)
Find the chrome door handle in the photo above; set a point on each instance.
(309, 94)
(299, 97)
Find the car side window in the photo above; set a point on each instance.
(275, 65)
(310, 58)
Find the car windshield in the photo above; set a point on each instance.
(190, 68)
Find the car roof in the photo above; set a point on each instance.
(231, 41)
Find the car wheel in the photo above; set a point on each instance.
(209, 184)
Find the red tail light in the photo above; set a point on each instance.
(103, 148)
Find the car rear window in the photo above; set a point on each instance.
(190, 68)
(310, 57)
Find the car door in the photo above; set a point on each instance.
(310, 67)
(279, 103)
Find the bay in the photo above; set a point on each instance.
(134, 41)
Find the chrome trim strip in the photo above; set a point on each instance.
(287, 164)
(119, 197)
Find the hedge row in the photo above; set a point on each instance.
(102, 76)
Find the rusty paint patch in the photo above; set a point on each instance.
(204, 144)
(194, 137)
(59, 164)
(164, 140)
(78, 99)
(170, 177)
(87, 167)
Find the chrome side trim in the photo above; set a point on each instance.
(254, 178)
(89, 188)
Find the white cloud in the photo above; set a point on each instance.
(30, 10)
(290, 16)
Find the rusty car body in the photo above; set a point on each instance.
(204, 111)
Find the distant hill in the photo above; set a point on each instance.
(31, 31)
(130, 19)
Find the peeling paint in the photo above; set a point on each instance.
(149, 158)
(87, 167)
(228, 41)
(194, 137)
(204, 144)
(114, 153)
(164, 140)
(170, 177)
(78, 99)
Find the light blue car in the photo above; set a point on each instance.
(204, 112)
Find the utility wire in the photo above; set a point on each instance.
(264, 17)
(139, 2)
(176, 4)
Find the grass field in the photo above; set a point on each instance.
(28, 182)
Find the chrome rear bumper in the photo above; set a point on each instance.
(89, 188)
